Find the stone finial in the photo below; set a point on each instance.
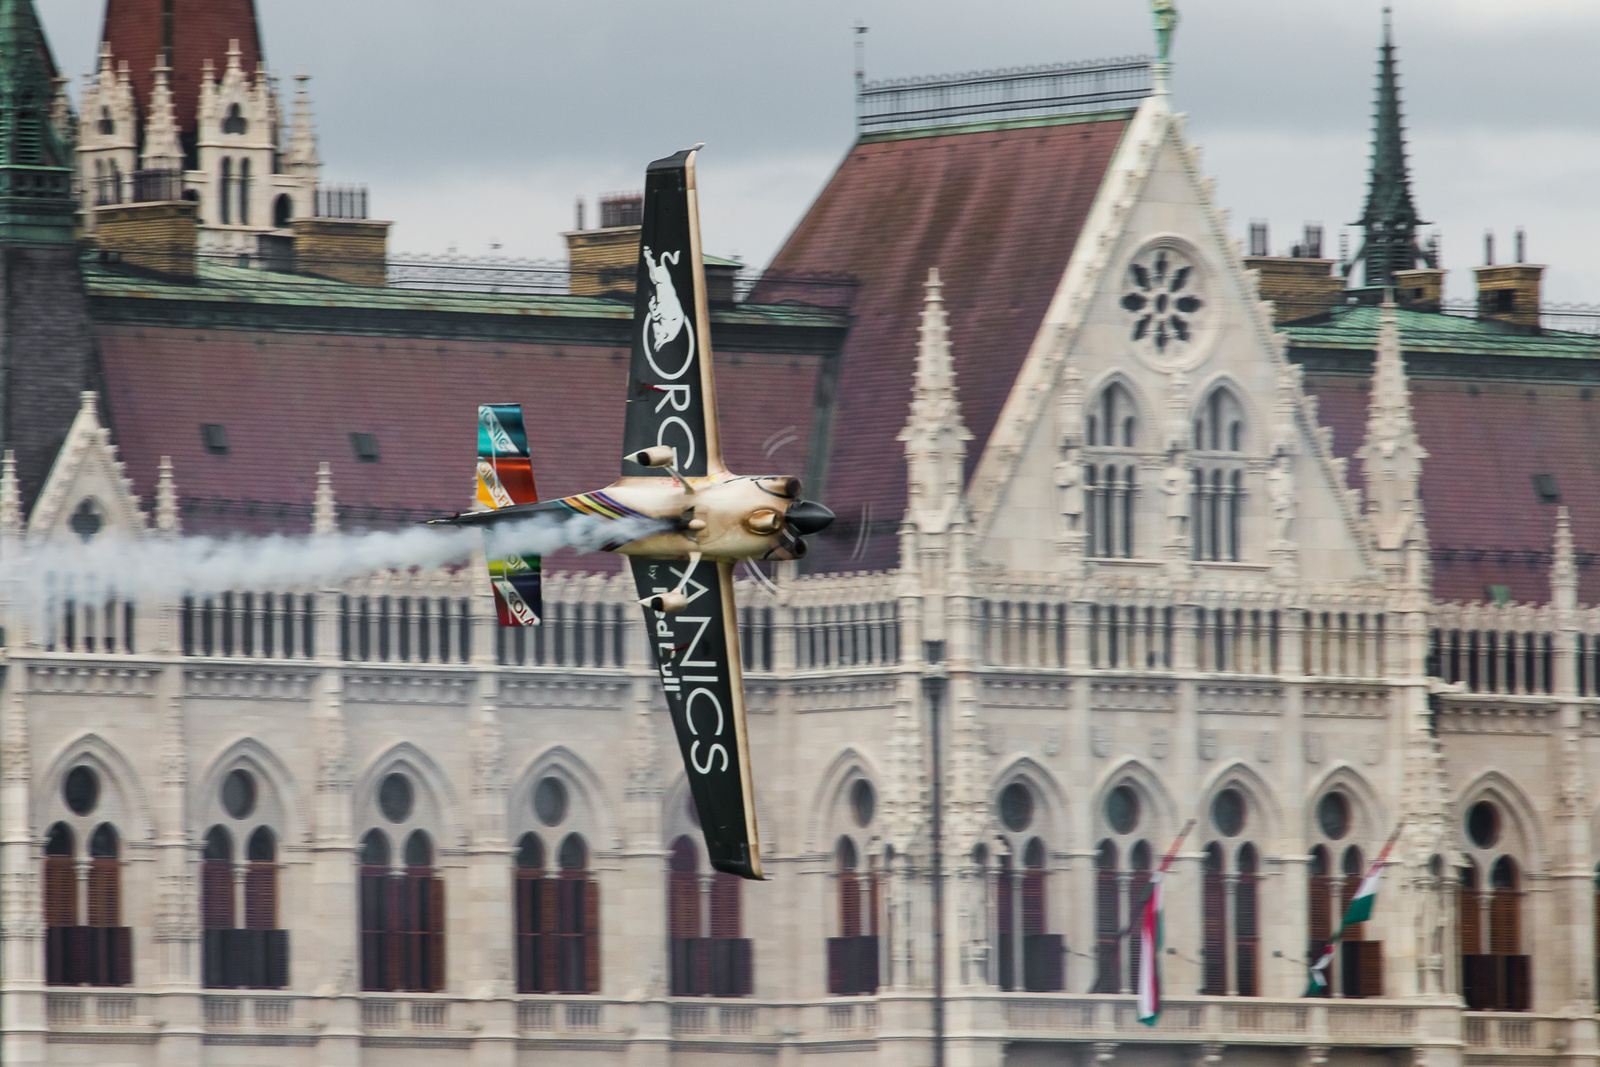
(1391, 455)
(324, 513)
(302, 134)
(934, 436)
(162, 148)
(10, 499)
(1564, 564)
(167, 519)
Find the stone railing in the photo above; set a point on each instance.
(1506, 649)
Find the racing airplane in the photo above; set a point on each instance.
(701, 518)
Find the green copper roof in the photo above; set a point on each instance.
(1356, 328)
(224, 296)
(36, 203)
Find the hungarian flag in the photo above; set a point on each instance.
(1149, 983)
(1359, 911)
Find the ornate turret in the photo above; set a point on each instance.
(36, 205)
(1390, 220)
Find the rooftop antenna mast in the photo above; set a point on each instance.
(860, 32)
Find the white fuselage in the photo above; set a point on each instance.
(720, 517)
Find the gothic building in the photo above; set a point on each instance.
(182, 106)
(1126, 552)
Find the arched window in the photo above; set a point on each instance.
(1216, 503)
(116, 182)
(85, 941)
(1219, 426)
(1360, 959)
(1246, 923)
(244, 192)
(1213, 923)
(1138, 891)
(235, 121)
(536, 913)
(1107, 920)
(60, 905)
(853, 955)
(217, 909)
(226, 198)
(1495, 973)
(1113, 421)
(241, 945)
(282, 211)
(709, 957)
(378, 970)
(577, 920)
(1319, 909)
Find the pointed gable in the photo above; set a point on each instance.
(998, 210)
(1156, 419)
(87, 487)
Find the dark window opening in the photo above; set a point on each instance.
(365, 446)
(1545, 488)
(214, 436)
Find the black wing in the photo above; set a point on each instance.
(671, 398)
(697, 651)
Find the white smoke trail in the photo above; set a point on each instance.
(162, 569)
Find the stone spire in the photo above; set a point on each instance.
(10, 500)
(1564, 565)
(934, 435)
(1390, 220)
(301, 157)
(163, 150)
(1391, 455)
(33, 155)
(324, 514)
(168, 521)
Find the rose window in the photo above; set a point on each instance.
(1162, 298)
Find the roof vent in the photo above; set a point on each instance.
(214, 436)
(1545, 488)
(365, 446)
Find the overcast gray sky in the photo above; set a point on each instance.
(479, 122)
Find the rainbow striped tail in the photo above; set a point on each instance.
(505, 478)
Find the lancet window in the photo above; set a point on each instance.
(402, 898)
(1217, 495)
(85, 940)
(1230, 902)
(1496, 973)
(853, 954)
(242, 946)
(1110, 481)
(709, 955)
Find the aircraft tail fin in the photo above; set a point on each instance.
(505, 478)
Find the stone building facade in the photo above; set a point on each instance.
(361, 824)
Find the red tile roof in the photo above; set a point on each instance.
(201, 30)
(1485, 441)
(291, 400)
(999, 212)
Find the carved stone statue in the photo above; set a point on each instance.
(1175, 482)
(1166, 23)
(1069, 483)
(1280, 494)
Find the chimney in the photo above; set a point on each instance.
(1510, 293)
(156, 235)
(1419, 290)
(338, 241)
(605, 261)
(1300, 285)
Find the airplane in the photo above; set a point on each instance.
(691, 518)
